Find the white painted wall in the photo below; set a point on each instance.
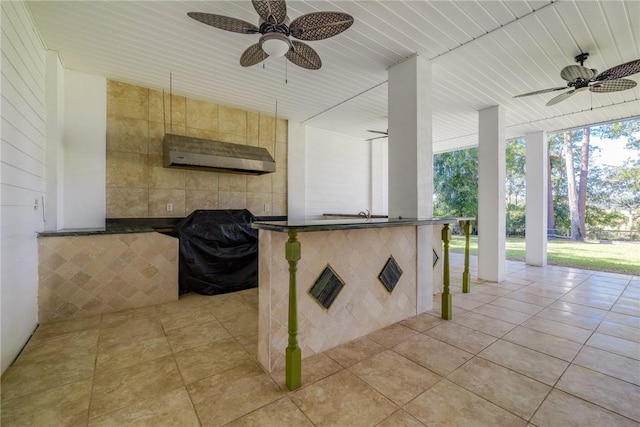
(53, 213)
(380, 177)
(22, 179)
(85, 130)
(338, 173)
(296, 172)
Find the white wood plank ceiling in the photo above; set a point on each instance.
(483, 53)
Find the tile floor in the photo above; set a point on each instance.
(547, 347)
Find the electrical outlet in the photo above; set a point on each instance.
(169, 207)
(267, 207)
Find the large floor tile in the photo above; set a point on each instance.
(566, 317)
(396, 377)
(49, 330)
(422, 322)
(314, 368)
(623, 319)
(561, 330)
(525, 296)
(116, 388)
(400, 418)
(515, 305)
(614, 365)
(562, 409)
(354, 351)
(127, 331)
(392, 335)
(627, 306)
(579, 309)
(232, 394)
(61, 347)
(343, 400)
(201, 362)
(433, 354)
(482, 323)
(124, 354)
(544, 343)
(528, 362)
(196, 335)
(166, 410)
(67, 405)
(605, 391)
(462, 337)
(281, 413)
(112, 320)
(510, 390)
(172, 319)
(504, 314)
(620, 331)
(615, 345)
(449, 404)
(24, 378)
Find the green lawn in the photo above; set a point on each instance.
(617, 258)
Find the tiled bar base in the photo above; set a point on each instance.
(363, 305)
(83, 276)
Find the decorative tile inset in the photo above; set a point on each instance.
(326, 289)
(435, 258)
(390, 274)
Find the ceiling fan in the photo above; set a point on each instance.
(385, 134)
(275, 30)
(580, 78)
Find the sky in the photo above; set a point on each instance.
(612, 151)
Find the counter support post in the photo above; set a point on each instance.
(446, 295)
(466, 275)
(293, 355)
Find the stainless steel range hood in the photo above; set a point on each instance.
(203, 154)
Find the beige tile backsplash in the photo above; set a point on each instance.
(139, 186)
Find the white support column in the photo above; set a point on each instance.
(491, 195)
(536, 209)
(411, 161)
(296, 170)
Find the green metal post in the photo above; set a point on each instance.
(293, 359)
(466, 275)
(446, 295)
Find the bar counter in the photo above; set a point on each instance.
(323, 283)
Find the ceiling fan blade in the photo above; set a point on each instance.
(304, 56)
(320, 25)
(253, 55)
(273, 11)
(225, 22)
(620, 71)
(537, 92)
(377, 137)
(613, 85)
(572, 72)
(560, 97)
(378, 131)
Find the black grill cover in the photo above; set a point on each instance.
(218, 252)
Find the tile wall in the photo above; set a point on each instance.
(82, 276)
(363, 305)
(138, 186)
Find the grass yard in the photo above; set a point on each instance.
(617, 257)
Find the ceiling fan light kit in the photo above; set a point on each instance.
(276, 31)
(275, 45)
(580, 78)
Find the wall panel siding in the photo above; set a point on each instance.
(22, 182)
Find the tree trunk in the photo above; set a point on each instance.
(551, 213)
(584, 174)
(571, 186)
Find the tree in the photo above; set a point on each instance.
(455, 183)
(584, 175)
(571, 187)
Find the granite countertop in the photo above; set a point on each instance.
(350, 224)
(119, 226)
